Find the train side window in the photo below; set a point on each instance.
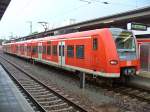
(22, 48)
(44, 49)
(25, 48)
(34, 49)
(54, 50)
(28, 48)
(59, 50)
(80, 51)
(48, 50)
(63, 48)
(70, 51)
(95, 43)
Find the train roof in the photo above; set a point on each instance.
(72, 35)
(65, 36)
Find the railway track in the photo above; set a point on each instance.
(46, 98)
(134, 92)
(132, 98)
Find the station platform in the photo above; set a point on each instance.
(11, 100)
(145, 74)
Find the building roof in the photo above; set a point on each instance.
(141, 15)
(3, 6)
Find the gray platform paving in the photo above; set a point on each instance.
(11, 100)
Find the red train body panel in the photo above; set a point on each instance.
(102, 52)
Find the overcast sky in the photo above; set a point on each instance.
(58, 13)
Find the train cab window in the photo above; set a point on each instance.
(48, 50)
(70, 51)
(95, 43)
(80, 51)
(44, 49)
(54, 50)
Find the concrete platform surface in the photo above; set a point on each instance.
(11, 100)
(145, 74)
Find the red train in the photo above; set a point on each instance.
(107, 52)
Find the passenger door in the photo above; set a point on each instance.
(40, 51)
(61, 53)
(95, 52)
(25, 49)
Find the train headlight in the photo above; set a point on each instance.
(129, 71)
(113, 62)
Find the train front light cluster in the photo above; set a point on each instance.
(129, 71)
(113, 62)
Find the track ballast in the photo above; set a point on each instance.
(46, 98)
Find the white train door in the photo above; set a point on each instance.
(61, 50)
(40, 51)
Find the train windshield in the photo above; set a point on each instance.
(123, 39)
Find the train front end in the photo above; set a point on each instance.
(126, 46)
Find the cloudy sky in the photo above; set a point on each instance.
(58, 12)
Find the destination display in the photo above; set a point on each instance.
(137, 26)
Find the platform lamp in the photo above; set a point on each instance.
(44, 24)
(30, 22)
(89, 2)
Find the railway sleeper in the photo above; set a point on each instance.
(30, 86)
(123, 89)
(42, 90)
(47, 103)
(43, 96)
(56, 106)
(52, 102)
(48, 98)
(142, 94)
(147, 97)
(40, 93)
(35, 89)
(134, 92)
(69, 109)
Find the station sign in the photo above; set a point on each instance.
(137, 26)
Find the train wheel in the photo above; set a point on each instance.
(124, 79)
(110, 82)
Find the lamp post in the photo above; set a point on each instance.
(30, 22)
(86, 1)
(44, 24)
(89, 2)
